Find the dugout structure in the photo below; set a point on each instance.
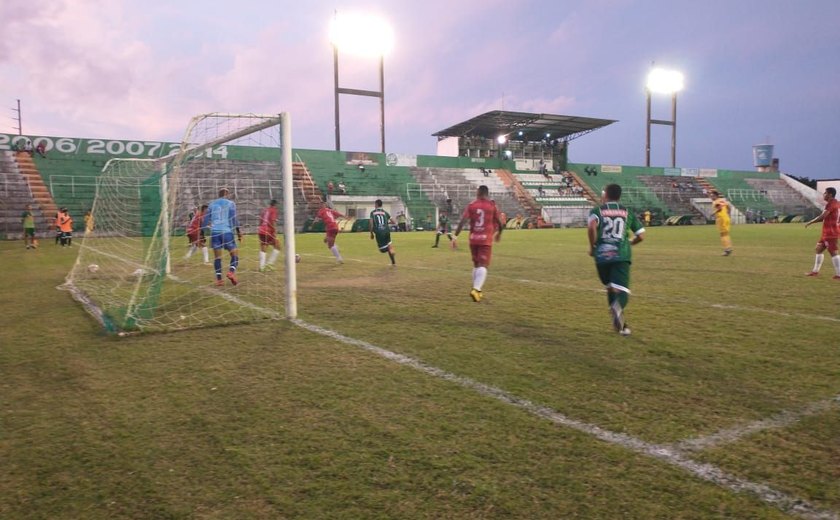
(132, 273)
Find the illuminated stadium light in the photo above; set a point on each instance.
(663, 81)
(365, 36)
(361, 35)
(501, 139)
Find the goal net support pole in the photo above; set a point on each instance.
(288, 214)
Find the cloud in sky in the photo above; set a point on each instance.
(140, 70)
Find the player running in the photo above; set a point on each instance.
(724, 224)
(195, 235)
(329, 216)
(609, 246)
(380, 228)
(484, 227)
(221, 218)
(830, 217)
(267, 233)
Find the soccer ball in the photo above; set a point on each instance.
(297, 258)
(93, 268)
(138, 273)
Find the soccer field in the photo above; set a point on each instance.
(396, 396)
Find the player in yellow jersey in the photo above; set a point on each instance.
(721, 206)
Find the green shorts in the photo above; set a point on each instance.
(29, 232)
(615, 275)
(383, 240)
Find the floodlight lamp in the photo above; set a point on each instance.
(361, 35)
(664, 81)
(521, 133)
(547, 135)
(501, 139)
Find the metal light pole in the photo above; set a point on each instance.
(364, 36)
(665, 82)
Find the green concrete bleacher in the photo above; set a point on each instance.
(71, 180)
(636, 193)
(377, 179)
(735, 187)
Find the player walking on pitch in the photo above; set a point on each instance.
(221, 217)
(195, 235)
(610, 247)
(722, 221)
(443, 228)
(380, 228)
(830, 217)
(267, 233)
(485, 226)
(328, 216)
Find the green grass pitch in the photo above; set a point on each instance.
(269, 420)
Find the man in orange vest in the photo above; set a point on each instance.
(64, 222)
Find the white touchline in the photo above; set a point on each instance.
(708, 472)
(780, 420)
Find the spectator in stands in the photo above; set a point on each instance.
(748, 214)
(362, 168)
(41, 149)
(330, 187)
(484, 172)
(342, 188)
(401, 221)
(489, 172)
(646, 216)
(28, 221)
(540, 190)
(28, 148)
(544, 170)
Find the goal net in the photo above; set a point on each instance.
(140, 269)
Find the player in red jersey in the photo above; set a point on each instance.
(195, 235)
(830, 217)
(485, 226)
(267, 234)
(328, 216)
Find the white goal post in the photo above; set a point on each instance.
(131, 272)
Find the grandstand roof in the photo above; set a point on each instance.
(534, 127)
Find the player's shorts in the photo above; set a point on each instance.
(723, 225)
(481, 254)
(196, 238)
(443, 230)
(222, 241)
(830, 244)
(330, 239)
(383, 240)
(615, 275)
(29, 232)
(267, 239)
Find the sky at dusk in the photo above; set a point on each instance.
(755, 72)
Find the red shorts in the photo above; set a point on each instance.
(267, 239)
(830, 244)
(481, 254)
(330, 239)
(196, 238)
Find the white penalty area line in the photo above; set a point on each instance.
(668, 454)
(780, 420)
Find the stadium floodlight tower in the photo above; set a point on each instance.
(662, 81)
(364, 36)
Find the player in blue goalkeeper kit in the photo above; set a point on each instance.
(221, 218)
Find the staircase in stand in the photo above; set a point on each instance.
(309, 193)
(522, 195)
(40, 193)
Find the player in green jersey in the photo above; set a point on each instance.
(443, 228)
(609, 244)
(380, 228)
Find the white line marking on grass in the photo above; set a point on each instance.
(740, 308)
(667, 454)
(780, 420)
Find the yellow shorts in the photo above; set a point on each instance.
(723, 225)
